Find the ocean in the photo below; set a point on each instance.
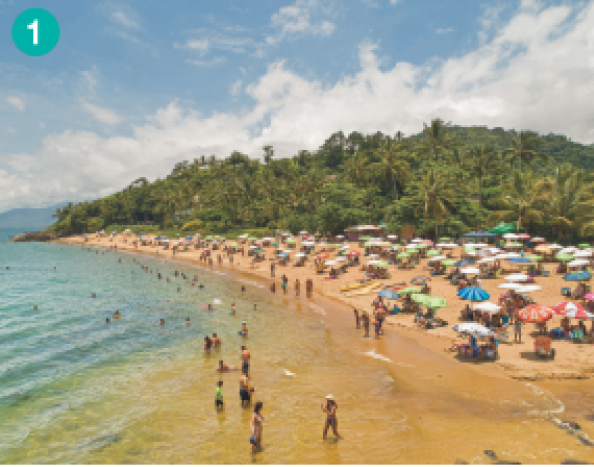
(74, 389)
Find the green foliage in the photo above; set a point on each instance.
(444, 180)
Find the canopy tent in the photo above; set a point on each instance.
(504, 227)
(479, 234)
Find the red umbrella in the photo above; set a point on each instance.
(322, 255)
(579, 314)
(567, 307)
(536, 313)
(354, 253)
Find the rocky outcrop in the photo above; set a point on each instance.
(41, 236)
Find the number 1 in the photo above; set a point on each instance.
(33, 26)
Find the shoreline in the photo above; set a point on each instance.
(402, 325)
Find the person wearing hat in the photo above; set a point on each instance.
(330, 411)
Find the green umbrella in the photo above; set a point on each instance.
(402, 255)
(233, 244)
(422, 245)
(432, 253)
(291, 241)
(251, 239)
(444, 239)
(468, 249)
(435, 302)
(368, 244)
(409, 290)
(448, 263)
(535, 258)
(364, 237)
(564, 257)
(418, 298)
(259, 251)
(584, 245)
(209, 237)
(381, 264)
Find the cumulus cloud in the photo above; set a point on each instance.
(444, 30)
(101, 114)
(303, 17)
(236, 88)
(16, 102)
(535, 73)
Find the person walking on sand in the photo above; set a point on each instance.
(257, 427)
(273, 287)
(517, 331)
(284, 284)
(272, 269)
(330, 411)
(365, 318)
(308, 287)
(357, 318)
(297, 287)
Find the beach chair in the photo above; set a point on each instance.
(566, 291)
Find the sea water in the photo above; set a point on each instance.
(74, 389)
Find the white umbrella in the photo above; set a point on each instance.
(308, 243)
(508, 255)
(437, 258)
(340, 258)
(340, 236)
(569, 249)
(473, 329)
(554, 246)
(470, 271)
(322, 244)
(253, 247)
(471, 253)
(476, 245)
(288, 251)
(577, 262)
(486, 260)
(345, 247)
(538, 239)
(583, 254)
(447, 245)
(513, 245)
(373, 261)
(510, 286)
(410, 246)
(300, 255)
(392, 236)
(511, 236)
(383, 244)
(417, 240)
(331, 263)
(489, 307)
(528, 288)
(517, 278)
(373, 256)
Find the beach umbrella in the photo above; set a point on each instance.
(437, 258)
(392, 236)
(434, 303)
(488, 307)
(535, 258)
(568, 250)
(519, 261)
(444, 239)
(510, 286)
(507, 255)
(583, 254)
(373, 262)
(585, 245)
(418, 298)
(475, 245)
(473, 329)
(538, 239)
(513, 245)
(528, 288)
(290, 241)
(412, 246)
(422, 246)
(511, 236)
(589, 296)
(470, 271)
(535, 313)
(409, 290)
(517, 277)
(299, 255)
(473, 294)
(542, 249)
(364, 237)
(448, 263)
(331, 263)
(486, 260)
(381, 264)
(368, 244)
(464, 262)
(577, 262)
(447, 245)
(468, 250)
(417, 240)
(577, 276)
(564, 257)
(308, 243)
(340, 258)
(432, 253)
(579, 314)
(524, 236)
(554, 246)
(288, 251)
(322, 255)
(566, 307)
(282, 255)
(354, 253)
(402, 255)
(259, 251)
(388, 294)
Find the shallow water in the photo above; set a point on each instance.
(75, 390)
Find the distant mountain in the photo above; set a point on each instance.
(28, 218)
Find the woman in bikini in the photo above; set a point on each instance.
(256, 425)
(330, 411)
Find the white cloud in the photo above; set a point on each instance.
(125, 19)
(201, 45)
(236, 88)
(301, 18)
(444, 30)
(16, 102)
(101, 114)
(535, 73)
(395, 2)
(90, 78)
(208, 63)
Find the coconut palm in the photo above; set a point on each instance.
(479, 160)
(438, 140)
(393, 163)
(522, 199)
(524, 150)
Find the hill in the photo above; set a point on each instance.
(28, 218)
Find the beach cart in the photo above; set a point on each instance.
(542, 347)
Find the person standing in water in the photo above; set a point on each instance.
(219, 401)
(232, 308)
(330, 411)
(245, 394)
(216, 341)
(245, 360)
(257, 427)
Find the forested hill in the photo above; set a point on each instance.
(445, 179)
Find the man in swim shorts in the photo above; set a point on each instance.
(216, 341)
(245, 359)
(244, 390)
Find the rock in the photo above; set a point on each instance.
(41, 236)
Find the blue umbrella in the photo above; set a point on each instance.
(190, 238)
(283, 255)
(389, 294)
(519, 260)
(464, 262)
(161, 237)
(577, 276)
(474, 294)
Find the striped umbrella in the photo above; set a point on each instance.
(535, 313)
(566, 307)
(474, 294)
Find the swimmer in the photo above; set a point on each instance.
(224, 368)
(209, 306)
(245, 393)
(94, 295)
(117, 314)
(179, 289)
(36, 307)
(207, 344)
(200, 286)
(243, 288)
(232, 312)
(187, 320)
(161, 322)
(255, 306)
(245, 359)
(107, 321)
(244, 330)
(216, 341)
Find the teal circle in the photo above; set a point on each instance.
(23, 32)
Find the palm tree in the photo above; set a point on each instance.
(479, 160)
(393, 162)
(438, 140)
(522, 199)
(569, 198)
(524, 149)
(435, 195)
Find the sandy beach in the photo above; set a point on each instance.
(516, 360)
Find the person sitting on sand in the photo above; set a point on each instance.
(224, 368)
(455, 344)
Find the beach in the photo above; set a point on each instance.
(435, 398)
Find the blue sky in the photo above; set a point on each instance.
(135, 86)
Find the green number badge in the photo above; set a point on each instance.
(35, 32)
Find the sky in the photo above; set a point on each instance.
(135, 86)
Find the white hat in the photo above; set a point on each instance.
(330, 397)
